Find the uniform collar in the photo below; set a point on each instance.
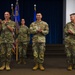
(73, 23)
(39, 21)
(23, 25)
(8, 21)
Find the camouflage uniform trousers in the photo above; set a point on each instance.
(6, 49)
(70, 52)
(0, 52)
(38, 52)
(22, 49)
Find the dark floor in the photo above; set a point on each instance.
(53, 65)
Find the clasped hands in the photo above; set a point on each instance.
(40, 30)
(69, 31)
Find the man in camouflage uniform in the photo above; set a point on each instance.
(0, 38)
(23, 40)
(7, 29)
(40, 29)
(70, 42)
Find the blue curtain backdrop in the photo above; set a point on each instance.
(52, 11)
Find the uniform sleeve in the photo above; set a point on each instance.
(66, 29)
(0, 27)
(28, 30)
(46, 30)
(13, 25)
(28, 35)
(32, 29)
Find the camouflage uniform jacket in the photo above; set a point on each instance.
(23, 34)
(6, 34)
(34, 27)
(70, 37)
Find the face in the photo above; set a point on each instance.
(38, 16)
(0, 21)
(72, 17)
(22, 21)
(6, 15)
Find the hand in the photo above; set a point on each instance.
(69, 31)
(6, 23)
(16, 40)
(40, 31)
(0, 21)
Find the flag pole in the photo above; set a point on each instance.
(12, 9)
(34, 12)
(12, 12)
(35, 7)
(16, 39)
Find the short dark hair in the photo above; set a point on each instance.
(72, 14)
(38, 13)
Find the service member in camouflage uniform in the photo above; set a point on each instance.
(40, 29)
(0, 39)
(7, 28)
(70, 42)
(23, 40)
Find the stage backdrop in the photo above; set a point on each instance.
(52, 11)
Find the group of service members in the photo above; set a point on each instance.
(9, 31)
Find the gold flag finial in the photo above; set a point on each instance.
(17, 2)
(35, 7)
(12, 9)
